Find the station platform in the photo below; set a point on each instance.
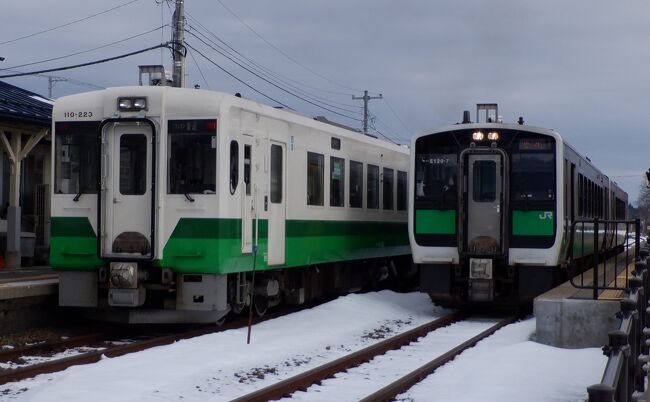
(28, 297)
(570, 317)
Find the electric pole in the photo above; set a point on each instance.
(51, 81)
(178, 74)
(366, 98)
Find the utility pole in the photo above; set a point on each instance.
(178, 39)
(366, 98)
(51, 81)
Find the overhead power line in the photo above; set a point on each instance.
(274, 84)
(68, 23)
(85, 51)
(285, 54)
(167, 45)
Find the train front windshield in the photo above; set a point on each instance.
(76, 150)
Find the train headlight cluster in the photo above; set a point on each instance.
(123, 275)
(132, 104)
(480, 136)
(493, 136)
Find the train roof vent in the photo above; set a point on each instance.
(488, 107)
(156, 75)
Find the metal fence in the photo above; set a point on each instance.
(591, 243)
(627, 351)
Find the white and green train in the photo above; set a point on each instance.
(492, 206)
(165, 200)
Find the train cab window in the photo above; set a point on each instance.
(373, 187)
(337, 181)
(75, 157)
(356, 184)
(234, 166)
(436, 172)
(402, 185)
(192, 159)
(247, 168)
(484, 183)
(133, 164)
(315, 178)
(533, 169)
(388, 188)
(276, 174)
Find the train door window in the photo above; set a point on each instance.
(373, 187)
(192, 162)
(315, 178)
(388, 188)
(234, 166)
(337, 181)
(402, 184)
(485, 181)
(276, 174)
(133, 164)
(247, 168)
(356, 184)
(75, 157)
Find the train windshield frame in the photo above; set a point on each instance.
(76, 147)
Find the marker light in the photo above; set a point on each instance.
(493, 136)
(478, 136)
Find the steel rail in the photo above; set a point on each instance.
(310, 377)
(81, 340)
(405, 383)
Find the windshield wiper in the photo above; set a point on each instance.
(76, 197)
(189, 197)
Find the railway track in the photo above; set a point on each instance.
(106, 349)
(316, 375)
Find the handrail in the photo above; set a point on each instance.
(591, 240)
(628, 361)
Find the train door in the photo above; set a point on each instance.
(484, 203)
(248, 197)
(276, 201)
(127, 199)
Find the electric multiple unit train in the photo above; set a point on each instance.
(166, 200)
(491, 206)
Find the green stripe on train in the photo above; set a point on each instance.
(214, 245)
(435, 221)
(533, 223)
(73, 244)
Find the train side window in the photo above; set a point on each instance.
(75, 157)
(356, 184)
(247, 168)
(402, 184)
(192, 162)
(276, 174)
(388, 188)
(315, 178)
(373, 187)
(581, 201)
(234, 166)
(337, 181)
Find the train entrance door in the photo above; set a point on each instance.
(248, 197)
(275, 201)
(484, 203)
(127, 191)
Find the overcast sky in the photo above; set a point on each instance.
(579, 67)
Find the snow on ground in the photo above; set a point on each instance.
(221, 366)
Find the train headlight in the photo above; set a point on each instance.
(478, 136)
(493, 136)
(123, 275)
(132, 104)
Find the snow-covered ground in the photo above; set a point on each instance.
(507, 366)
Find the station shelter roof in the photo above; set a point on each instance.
(19, 105)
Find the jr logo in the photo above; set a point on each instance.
(546, 215)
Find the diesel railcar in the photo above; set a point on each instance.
(165, 201)
(491, 208)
